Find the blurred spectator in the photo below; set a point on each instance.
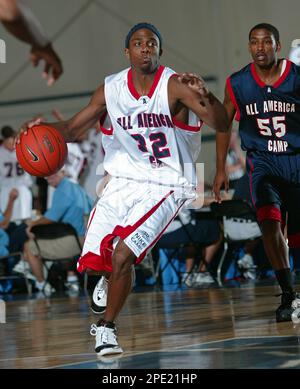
(235, 161)
(294, 54)
(4, 241)
(194, 234)
(74, 164)
(70, 205)
(93, 172)
(13, 176)
(76, 159)
(5, 218)
(94, 149)
(12, 238)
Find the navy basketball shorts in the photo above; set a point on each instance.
(275, 190)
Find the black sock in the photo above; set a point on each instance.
(284, 278)
(105, 323)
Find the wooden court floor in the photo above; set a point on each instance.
(216, 328)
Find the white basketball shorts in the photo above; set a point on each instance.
(136, 212)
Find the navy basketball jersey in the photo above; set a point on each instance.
(269, 115)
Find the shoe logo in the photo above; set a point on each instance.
(35, 157)
(100, 294)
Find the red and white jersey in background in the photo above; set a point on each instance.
(13, 176)
(75, 162)
(144, 142)
(73, 167)
(94, 153)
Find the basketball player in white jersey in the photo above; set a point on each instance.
(75, 161)
(93, 150)
(13, 176)
(294, 54)
(145, 159)
(74, 164)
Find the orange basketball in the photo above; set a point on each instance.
(42, 151)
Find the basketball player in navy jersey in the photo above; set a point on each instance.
(265, 97)
(144, 159)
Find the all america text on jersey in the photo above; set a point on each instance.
(270, 106)
(145, 120)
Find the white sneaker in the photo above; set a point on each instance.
(250, 274)
(188, 278)
(73, 288)
(246, 262)
(203, 278)
(106, 340)
(22, 267)
(296, 313)
(46, 290)
(99, 298)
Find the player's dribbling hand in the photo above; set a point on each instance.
(220, 179)
(194, 82)
(25, 126)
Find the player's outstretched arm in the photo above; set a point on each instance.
(19, 20)
(200, 100)
(85, 119)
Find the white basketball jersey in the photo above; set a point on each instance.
(75, 162)
(144, 142)
(94, 153)
(13, 176)
(294, 55)
(11, 173)
(72, 167)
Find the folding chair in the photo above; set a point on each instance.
(239, 223)
(172, 248)
(63, 237)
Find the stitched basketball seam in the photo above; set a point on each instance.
(55, 135)
(38, 145)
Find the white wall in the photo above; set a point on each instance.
(205, 36)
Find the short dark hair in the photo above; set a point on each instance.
(266, 26)
(7, 132)
(140, 26)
